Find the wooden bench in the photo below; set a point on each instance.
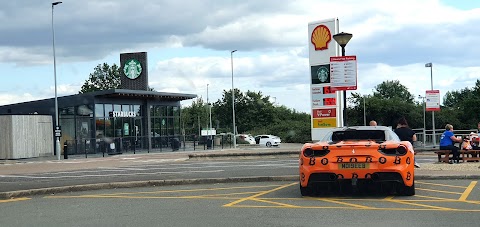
(445, 153)
(475, 155)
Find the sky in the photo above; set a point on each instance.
(189, 44)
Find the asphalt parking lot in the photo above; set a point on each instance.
(436, 203)
(451, 195)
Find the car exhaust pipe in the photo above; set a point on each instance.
(375, 177)
(333, 176)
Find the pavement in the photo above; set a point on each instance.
(434, 170)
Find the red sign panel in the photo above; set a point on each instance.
(323, 113)
(432, 100)
(329, 101)
(328, 90)
(343, 72)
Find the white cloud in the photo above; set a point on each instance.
(392, 40)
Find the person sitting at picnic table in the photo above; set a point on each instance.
(447, 141)
(475, 139)
(469, 142)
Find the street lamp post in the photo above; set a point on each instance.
(424, 114)
(342, 39)
(210, 116)
(364, 112)
(233, 102)
(430, 65)
(57, 127)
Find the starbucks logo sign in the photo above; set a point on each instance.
(132, 69)
(322, 74)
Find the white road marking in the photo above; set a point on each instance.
(108, 175)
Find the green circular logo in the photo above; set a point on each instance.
(132, 69)
(322, 74)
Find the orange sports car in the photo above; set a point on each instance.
(369, 156)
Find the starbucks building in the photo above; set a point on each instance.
(130, 118)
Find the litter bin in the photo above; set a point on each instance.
(175, 144)
(111, 148)
(218, 141)
(65, 150)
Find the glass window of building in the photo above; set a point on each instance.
(108, 109)
(117, 107)
(99, 112)
(176, 111)
(137, 109)
(126, 107)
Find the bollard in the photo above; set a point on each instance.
(65, 150)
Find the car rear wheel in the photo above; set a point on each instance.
(305, 191)
(268, 144)
(406, 190)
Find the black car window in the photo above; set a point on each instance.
(376, 135)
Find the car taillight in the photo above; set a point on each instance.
(399, 151)
(309, 152)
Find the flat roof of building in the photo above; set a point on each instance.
(121, 93)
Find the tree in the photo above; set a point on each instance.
(393, 90)
(103, 77)
(195, 117)
(390, 101)
(463, 106)
(254, 114)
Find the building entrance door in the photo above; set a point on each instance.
(128, 133)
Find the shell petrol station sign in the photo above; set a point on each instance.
(324, 118)
(324, 98)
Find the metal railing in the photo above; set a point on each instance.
(425, 137)
(119, 145)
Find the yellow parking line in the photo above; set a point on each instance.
(276, 203)
(194, 190)
(421, 205)
(14, 200)
(356, 208)
(156, 197)
(431, 190)
(139, 197)
(467, 191)
(227, 194)
(431, 197)
(443, 185)
(344, 203)
(259, 194)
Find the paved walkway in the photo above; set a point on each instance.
(77, 162)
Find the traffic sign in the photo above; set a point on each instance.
(432, 100)
(58, 131)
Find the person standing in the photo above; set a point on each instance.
(405, 133)
(447, 141)
(373, 123)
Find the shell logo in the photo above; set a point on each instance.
(321, 36)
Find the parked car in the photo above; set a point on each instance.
(370, 156)
(268, 140)
(247, 138)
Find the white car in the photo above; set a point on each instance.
(268, 140)
(247, 138)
